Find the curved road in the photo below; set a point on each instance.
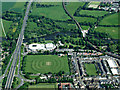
(107, 53)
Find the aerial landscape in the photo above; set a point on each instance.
(60, 45)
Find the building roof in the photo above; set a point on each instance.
(111, 63)
(37, 46)
(114, 71)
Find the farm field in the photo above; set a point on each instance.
(46, 63)
(112, 31)
(90, 69)
(55, 12)
(44, 85)
(110, 20)
(85, 19)
(13, 6)
(72, 6)
(93, 13)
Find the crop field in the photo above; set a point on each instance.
(110, 20)
(13, 6)
(93, 13)
(46, 63)
(55, 12)
(44, 85)
(85, 19)
(72, 6)
(112, 31)
(90, 69)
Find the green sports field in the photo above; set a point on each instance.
(90, 69)
(44, 85)
(93, 13)
(46, 63)
(112, 31)
(110, 20)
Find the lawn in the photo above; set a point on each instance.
(46, 63)
(13, 6)
(110, 20)
(93, 13)
(55, 12)
(72, 6)
(44, 85)
(112, 31)
(90, 69)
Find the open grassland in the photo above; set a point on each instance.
(44, 85)
(110, 20)
(72, 6)
(93, 13)
(55, 12)
(46, 63)
(6, 25)
(85, 27)
(90, 69)
(85, 19)
(112, 31)
(1, 30)
(13, 6)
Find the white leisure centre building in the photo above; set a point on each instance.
(48, 46)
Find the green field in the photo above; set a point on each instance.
(55, 12)
(112, 31)
(6, 25)
(44, 85)
(46, 63)
(85, 19)
(93, 13)
(13, 6)
(90, 69)
(110, 20)
(85, 27)
(72, 6)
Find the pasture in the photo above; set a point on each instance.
(93, 13)
(112, 31)
(6, 25)
(55, 12)
(72, 6)
(44, 85)
(90, 69)
(13, 6)
(46, 63)
(110, 20)
(85, 19)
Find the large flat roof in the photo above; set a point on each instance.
(114, 71)
(36, 46)
(112, 63)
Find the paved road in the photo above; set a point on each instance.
(107, 53)
(16, 52)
